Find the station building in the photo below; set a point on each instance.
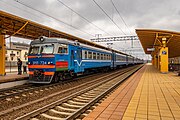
(14, 51)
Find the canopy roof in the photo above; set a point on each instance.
(16, 26)
(152, 38)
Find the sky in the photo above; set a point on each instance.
(85, 19)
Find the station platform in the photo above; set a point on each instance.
(11, 77)
(148, 94)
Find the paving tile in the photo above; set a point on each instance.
(141, 112)
(89, 118)
(129, 114)
(166, 113)
(104, 115)
(176, 114)
(100, 118)
(153, 117)
(128, 118)
(92, 116)
(141, 116)
(167, 118)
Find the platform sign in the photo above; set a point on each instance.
(150, 49)
(164, 52)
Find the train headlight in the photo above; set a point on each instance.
(29, 63)
(49, 63)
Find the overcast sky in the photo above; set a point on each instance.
(158, 14)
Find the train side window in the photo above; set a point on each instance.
(98, 56)
(90, 55)
(86, 55)
(94, 55)
(107, 57)
(102, 56)
(83, 54)
(63, 49)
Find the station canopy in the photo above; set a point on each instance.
(19, 27)
(152, 38)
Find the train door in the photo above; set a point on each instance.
(113, 59)
(78, 59)
(72, 59)
(126, 60)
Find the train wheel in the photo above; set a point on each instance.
(56, 78)
(62, 77)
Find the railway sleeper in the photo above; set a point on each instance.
(91, 94)
(55, 114)
(34, 119)
(75, 103)
(88, 111)
(71, 106)
(80, 100)
(87, 96)
(59, 112)
(82, 115)
(51, 117)
(60, 108)
(83, 98)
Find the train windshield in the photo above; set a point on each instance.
(34, 50)
(47, 49)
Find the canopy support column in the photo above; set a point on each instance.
(163, 56)
(164, 59)
(2, 54)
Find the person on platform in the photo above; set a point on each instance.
(19, 63)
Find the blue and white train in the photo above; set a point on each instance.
(52, 59)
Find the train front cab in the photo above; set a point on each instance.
(41, 63)
(62, 60)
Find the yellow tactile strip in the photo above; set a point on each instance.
(157, 97)
(115, 105)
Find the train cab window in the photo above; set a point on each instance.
(63, 49)
(47, 49)
(98, 56)
(90, 55)
(34, 50)
(94, 55)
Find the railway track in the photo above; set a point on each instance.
(74, 105)
(11, 92)
(19, 90)
(25, 103)
(15, 90)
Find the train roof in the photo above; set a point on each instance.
(67, 41)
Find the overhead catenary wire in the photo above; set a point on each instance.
(120, 15)
(109, 17)
(51, 17)
(12, 5)
(83, 17)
